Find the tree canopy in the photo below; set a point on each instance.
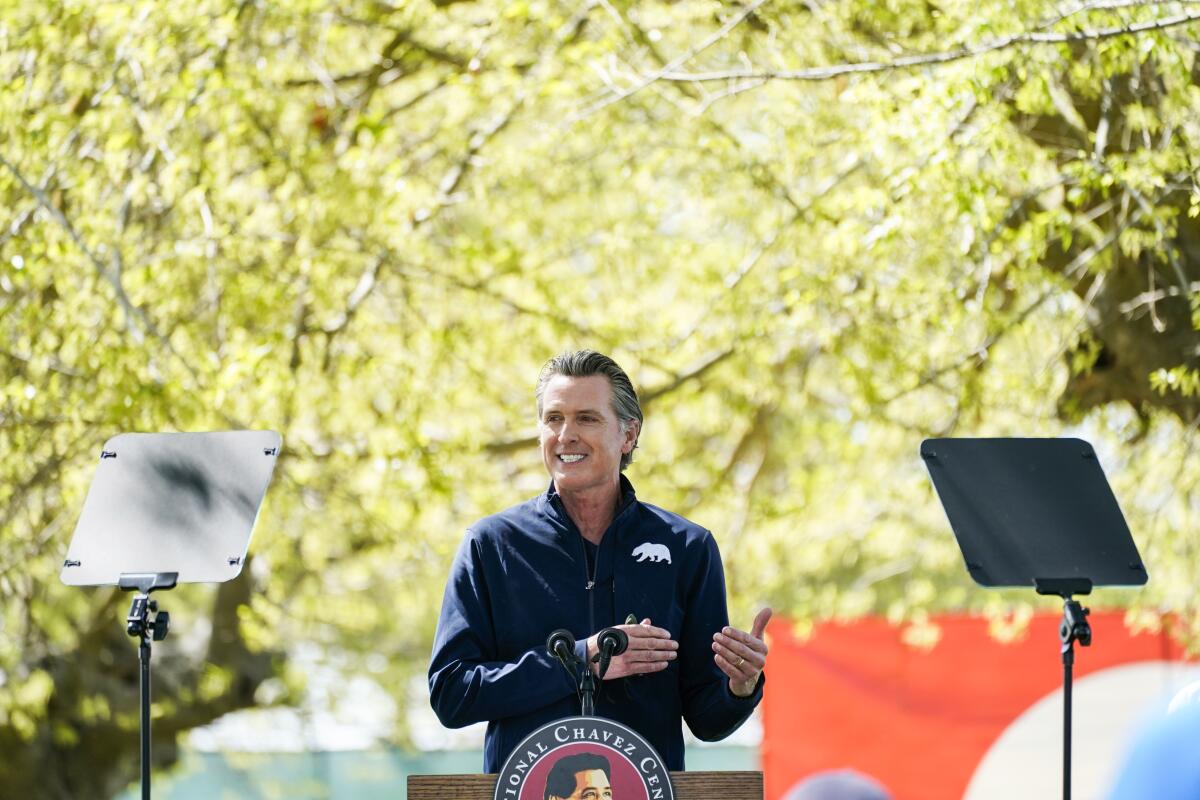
(813, 232)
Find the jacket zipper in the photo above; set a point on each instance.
(591, 583)
(589, 580)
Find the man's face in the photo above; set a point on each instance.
(582, 438)
(591, 784)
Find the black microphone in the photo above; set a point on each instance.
(561, 645)
(612, 642)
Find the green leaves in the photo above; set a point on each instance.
(368, 226)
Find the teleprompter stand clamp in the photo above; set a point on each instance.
(1040, 513)
(168, 508)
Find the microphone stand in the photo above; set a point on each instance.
(561, 645)
(610, 642)
(587, 693)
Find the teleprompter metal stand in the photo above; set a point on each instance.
(1038, 513)
(163, 509)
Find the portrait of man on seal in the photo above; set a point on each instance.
(583, 776)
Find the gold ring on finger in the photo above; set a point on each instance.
(741, 660)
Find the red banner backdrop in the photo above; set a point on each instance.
(918, 720)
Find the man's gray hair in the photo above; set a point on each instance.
(584, 364)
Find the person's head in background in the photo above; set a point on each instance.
(843, 784)
(1163, 762)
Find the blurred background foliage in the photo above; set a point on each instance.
(813, 232)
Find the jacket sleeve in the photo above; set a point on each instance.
(712, 711)
(468, 680)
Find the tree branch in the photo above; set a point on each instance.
(667, 69)
(977, 356)
(693, 372)
(919, 60)
(1148, 298)
(735, 278)
(140, 323)
(133, 312)
(1108, 5)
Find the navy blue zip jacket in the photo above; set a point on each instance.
(523, 573)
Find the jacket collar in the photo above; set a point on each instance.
(628, 497)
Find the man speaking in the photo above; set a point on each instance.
(583, 556)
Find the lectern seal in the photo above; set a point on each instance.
(584, 758)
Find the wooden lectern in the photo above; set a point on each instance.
(688, 786)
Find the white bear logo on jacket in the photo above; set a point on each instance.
(654, 552)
